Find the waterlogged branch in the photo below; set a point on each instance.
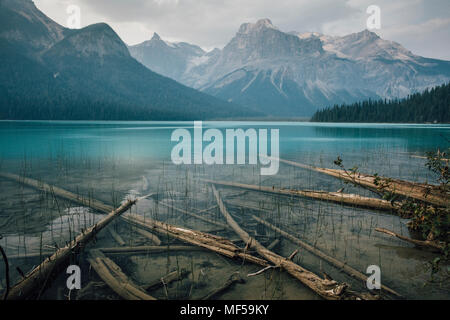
(419, 191)
(39, 275)
(61, 193)
(234, 278)
(436, 245)
(333, 261)
(203, 240)
(176, 275)
(196, 216)
(337, 197)
(327, 289)
(115, 278)
(211, 242)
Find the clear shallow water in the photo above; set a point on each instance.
(110, 160)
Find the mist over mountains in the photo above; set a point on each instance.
(50, 72)
(294, 74)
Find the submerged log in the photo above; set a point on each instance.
(333, 261)
(204, 240)
(171, 277)
(211, 242)
(327, 289)
(43, 254)
(337, 197)
(420, 191)
(116, 237)
(148, 249)
(61, 193)
(234, 278)
(149, 236)
(115, 278)
(436, 245)
(273, 244)
(39, 275)
(196, 216)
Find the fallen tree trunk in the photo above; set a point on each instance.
(420, 191)
(91, 203)
(327, 289)
(208, 241)
(436, 245)
(38, 276)
(115, 278)
(335, 262)
(337, 197)
(204, 240)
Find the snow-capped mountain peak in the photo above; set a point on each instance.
(293, 73)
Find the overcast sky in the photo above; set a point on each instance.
(422, 26)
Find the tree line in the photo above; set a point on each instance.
(430, 106)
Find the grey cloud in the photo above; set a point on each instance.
(212, 23)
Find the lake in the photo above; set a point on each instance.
(110, 161)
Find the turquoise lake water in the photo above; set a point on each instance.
(112, 160)
(152, 139)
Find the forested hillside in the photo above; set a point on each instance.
(429, 106)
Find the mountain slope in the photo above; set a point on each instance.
(88, 74)
(27, 28)
(294, 74)
(166, 58)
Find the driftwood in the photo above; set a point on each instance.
(91, 203)
(204, 240)
(39, 275)
(436, 245)
(333, 261)
(196, 216)
(234, 278)
(171, 277)
(337, 197)
(115, 278)
(420, 191)
(328, 289)
(208, 241)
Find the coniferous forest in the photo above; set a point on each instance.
(430, 106)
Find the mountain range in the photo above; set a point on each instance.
(294, 74)
(50, 72)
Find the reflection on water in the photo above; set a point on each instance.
(111, 160)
